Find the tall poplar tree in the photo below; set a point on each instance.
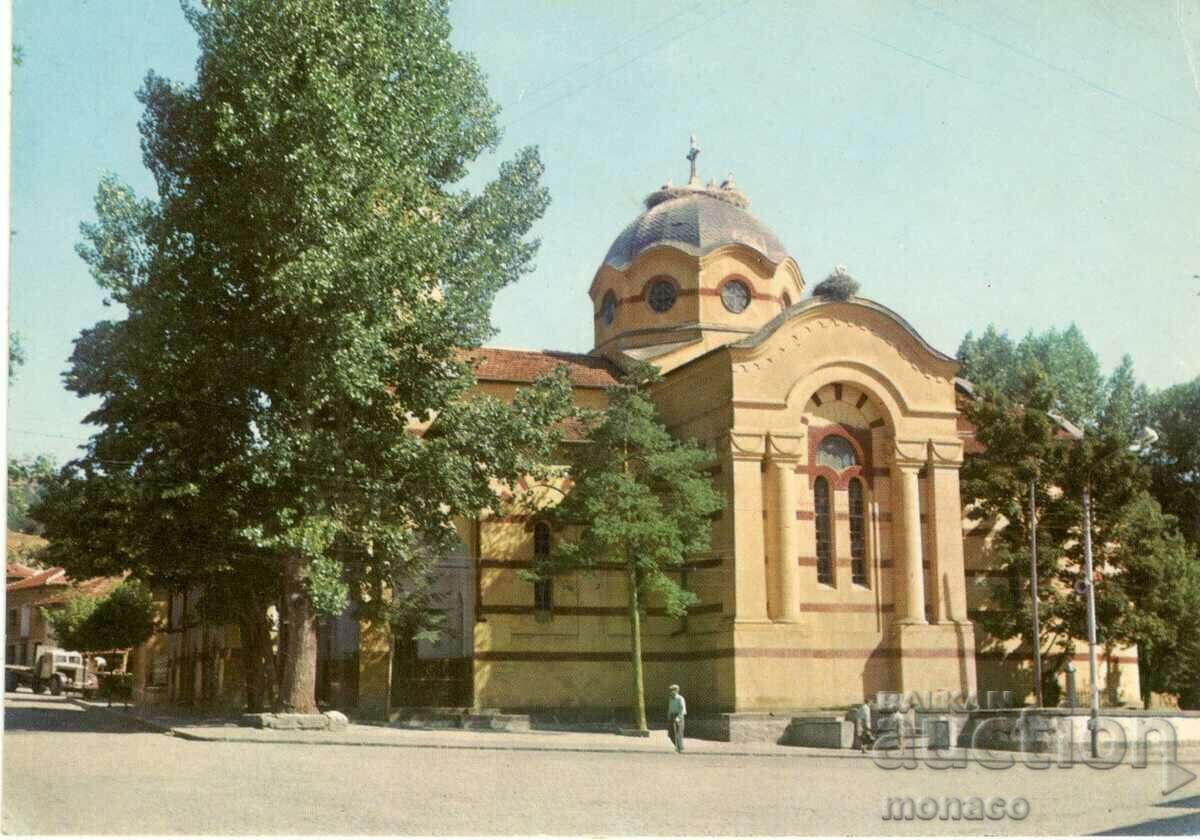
(297, 298)
(640, 498)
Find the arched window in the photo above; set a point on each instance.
(608, 308)
(824, 523)
(837, 453)
(858, 534)
(543, 588)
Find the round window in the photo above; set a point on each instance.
(608, 309)
(735, 295)
(661, 295)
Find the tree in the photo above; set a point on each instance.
(122, 619)
(28, 481)
(640, 498)
(1138, 550)
(1175, 459)
(16, 356)
(1063, 358)
(298, 297)
(1156, 598)
(68, 623)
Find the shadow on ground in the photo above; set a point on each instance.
(1175, 824)
(30, 713)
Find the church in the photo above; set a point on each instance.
(837, 567)
(841, 565)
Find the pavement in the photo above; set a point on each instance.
(228, 729)
(71, 768)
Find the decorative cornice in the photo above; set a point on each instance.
(746, 445)
(910, 453)
(784, 448)
(946, 453)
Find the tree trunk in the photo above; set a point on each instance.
(298, 692)
(256, 657)
(635, 631)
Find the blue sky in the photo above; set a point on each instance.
(1022, 163)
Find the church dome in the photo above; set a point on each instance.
(697, 220)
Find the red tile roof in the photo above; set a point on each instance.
(19, 571)
(92, 588)
(494, 364)
(50, 577)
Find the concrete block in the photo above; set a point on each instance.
(335, 721)
(826, 732)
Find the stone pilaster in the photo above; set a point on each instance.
(746, 451)
(945, 520)
(907, 459)
(783, 453)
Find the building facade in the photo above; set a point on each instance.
(837, 567)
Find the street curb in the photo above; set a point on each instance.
(129, 717)
(800, 753)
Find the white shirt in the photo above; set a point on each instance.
(676, 706)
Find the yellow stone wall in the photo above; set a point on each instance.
(762, 389)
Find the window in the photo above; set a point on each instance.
(824, 531)
(608, 309)
(736, 296)
(661, 295)
(26, 615)
(785, 301)
(858, 541)
(837, 453)
(543, 588)
(13, 621)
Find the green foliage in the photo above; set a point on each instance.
(69, 623)
(638, 495)
(28, 481)
(16, 356)
(1175, 459)
(297, 296)
(1063, 361)
(123, 619)
(1148, 583)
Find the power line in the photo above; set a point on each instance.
(637, 57)
(966, 27)
(1191, 168)
(686, 8)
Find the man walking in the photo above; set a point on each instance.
(676, 712)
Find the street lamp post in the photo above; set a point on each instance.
(1094, 723)
(1033, 577)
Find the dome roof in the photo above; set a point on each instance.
(696, 220)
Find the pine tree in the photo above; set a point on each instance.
(640, 498)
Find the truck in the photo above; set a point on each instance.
(53, 670)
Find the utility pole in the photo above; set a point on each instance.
(1094, 724)
(1033, 579)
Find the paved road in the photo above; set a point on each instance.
(67, 770)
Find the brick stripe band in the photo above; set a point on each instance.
(529, 609)
(720, 653)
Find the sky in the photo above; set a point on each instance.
(1024, 164)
